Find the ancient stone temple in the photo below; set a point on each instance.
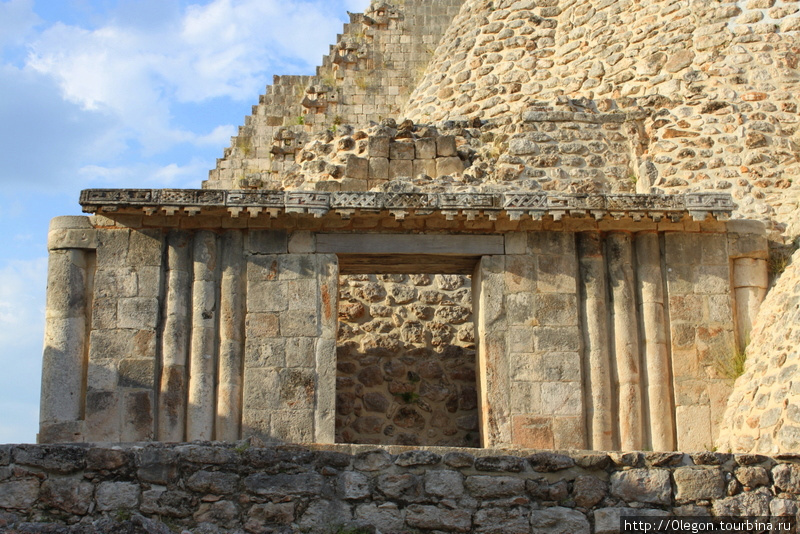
(506, 223)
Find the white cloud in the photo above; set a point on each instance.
(146, 175)
(42, 137)
(227, 48)
(219, 137)
(17, 20)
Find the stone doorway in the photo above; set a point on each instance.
(407, 370)
(406, 366)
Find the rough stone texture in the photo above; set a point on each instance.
(763, 413)
(342, 488)
(406, 361)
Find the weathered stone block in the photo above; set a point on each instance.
(401, 168)
(403, 486)
(493, 487)
(532, 432)
(559, 520)
(401, 150)
(137, 374)
(262, 515)
(444, 483)
(642, 485)
(378, 147)
(787, 478)
(303, 351)
(562, 398)
(302, 294)
(107, 459)
(449, 166)
(266, 242)
(569, 433)
(321, 514)
(293, 426)
(698, 483)
(426, 167)
(557, 338)
(520, 308)
(433, 518)
(353, 486)
(588, 491)
(260, 387)
(501, 520)
(425, 148)
(373, 460)
(299, 323)
(68, 494)
(280, 485)
(378, 168)
(556, 274)
(446, 146)
(138, 416)
(387, 517)
(102, 415)
(265, 352)
(216, 482)
(261, 325)
(222, 513)
(19, 494)
(356, 168)
(745, 504)
(556, 309)
(549, 367)
(266, 296)
(56, 459)
(112, 248)
(145, 247)
(113, 496)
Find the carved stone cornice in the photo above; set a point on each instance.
(471, 205)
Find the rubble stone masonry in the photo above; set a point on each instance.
(248, 487)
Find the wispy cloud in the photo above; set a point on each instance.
(226, 48)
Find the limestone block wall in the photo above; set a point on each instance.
(367, 76)
(179, 334)
(609, 340)
(598, 333)
(406, 361)
(290, 489)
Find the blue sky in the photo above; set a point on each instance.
(120, 93)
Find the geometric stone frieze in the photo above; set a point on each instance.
(514, 204)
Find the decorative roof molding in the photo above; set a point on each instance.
(513, 204)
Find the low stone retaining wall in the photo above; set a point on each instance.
(340, 489)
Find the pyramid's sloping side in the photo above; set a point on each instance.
(367, 76)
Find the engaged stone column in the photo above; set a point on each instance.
(200, 412)
(64, 362)
(656, 355)
(597, 362)
(626, 339)
(325, 351)
(231, 337)
(750, 280)
(494, 388)
(175, 338)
